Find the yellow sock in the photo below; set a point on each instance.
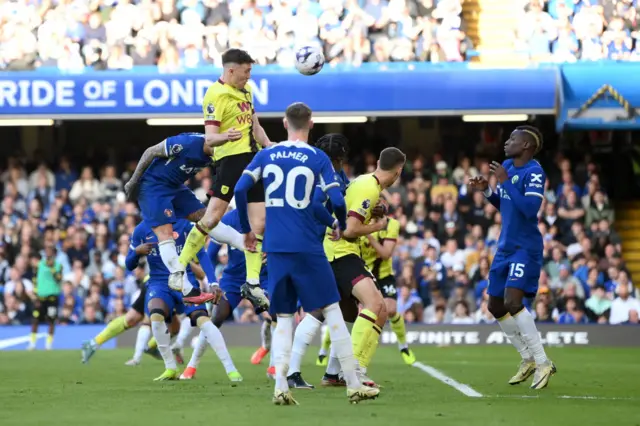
(195, 241)
(360, 334)
(152, 344)
(397, 325)
(370, 346)
(34, 338)
(114, 328)
(49, 339)
(254, 262)
(326, 340)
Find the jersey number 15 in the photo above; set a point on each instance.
(289, 186)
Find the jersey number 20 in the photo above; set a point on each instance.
(289, 186)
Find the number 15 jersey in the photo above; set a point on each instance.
(291, 171)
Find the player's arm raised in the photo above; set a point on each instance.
(480, 183)
(528, 203)
(156, 151)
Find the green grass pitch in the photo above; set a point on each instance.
(594, 386)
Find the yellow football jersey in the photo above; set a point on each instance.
(226, 107)
(380, 268)
(361, 197)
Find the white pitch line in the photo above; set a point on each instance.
(583, 397)
(438, 375)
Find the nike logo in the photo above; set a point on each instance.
(149, 237)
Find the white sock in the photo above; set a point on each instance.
(186, 285)
(183, 334)
(198, 351)
(265, 335)
(341, 340)
(510, 328)
(530, 334)
(225, 234)
(271, 359)
(305, 332)
(169, 255)
(144, 333)
(161, 333)
(281, 348)
(217, 343)
(333, 365)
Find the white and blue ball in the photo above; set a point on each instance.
(309, 60)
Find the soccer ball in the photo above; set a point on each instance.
(309, 60)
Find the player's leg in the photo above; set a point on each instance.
(142, 339)
(200, 318)
(316, 287)
(387, 287)
(257, 212)
(305, 332)
(325, 346)
(52, 316)
(38, 314)
(116, 327)
(181, 339)
(522, 281)
(265, 340)
(332, 376)
(284, 302)
(160, 304)
(498, 276)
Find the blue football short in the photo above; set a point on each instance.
(161, 205)
(171, 298)
(519, 269)
(303, 277)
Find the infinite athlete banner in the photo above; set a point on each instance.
(373, 90)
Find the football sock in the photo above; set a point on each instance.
(254, 262)
(398, 327)
(326, 342)
(195, 241)
(333, 365)
(302, 338)
(361, 333)
(34, 338)
(161, 333)
(114, 328)
(144, 332)
(272, 361)
(342, 343)
(152, 343)
(265, 334)
(201, 346)
(530, 335)
(217, 343)
(281, 347)
(370, 346)
(49, 340)
(169, 255)
(183, 334)
(510, 328)
(225, 234)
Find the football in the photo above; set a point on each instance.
(309, 60)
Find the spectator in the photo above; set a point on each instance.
(624, 307)
(86, 187)
(598, 306)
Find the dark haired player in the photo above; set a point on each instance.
(297, 266)
(516, 266)
(233, 130)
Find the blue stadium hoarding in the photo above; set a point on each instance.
(582, 95)
(375, 90)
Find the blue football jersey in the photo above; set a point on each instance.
(157, 270)
(236, 269)
(185, 158)
(291, 171)
(518, 230)
(343, 180)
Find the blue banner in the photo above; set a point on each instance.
(380, 90)
(599, 95)
(66, 337)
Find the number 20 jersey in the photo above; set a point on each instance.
(290, 172)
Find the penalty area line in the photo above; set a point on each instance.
(439, 375)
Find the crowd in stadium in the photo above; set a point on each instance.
(448, 237)
(571, 30)
(184, 34)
